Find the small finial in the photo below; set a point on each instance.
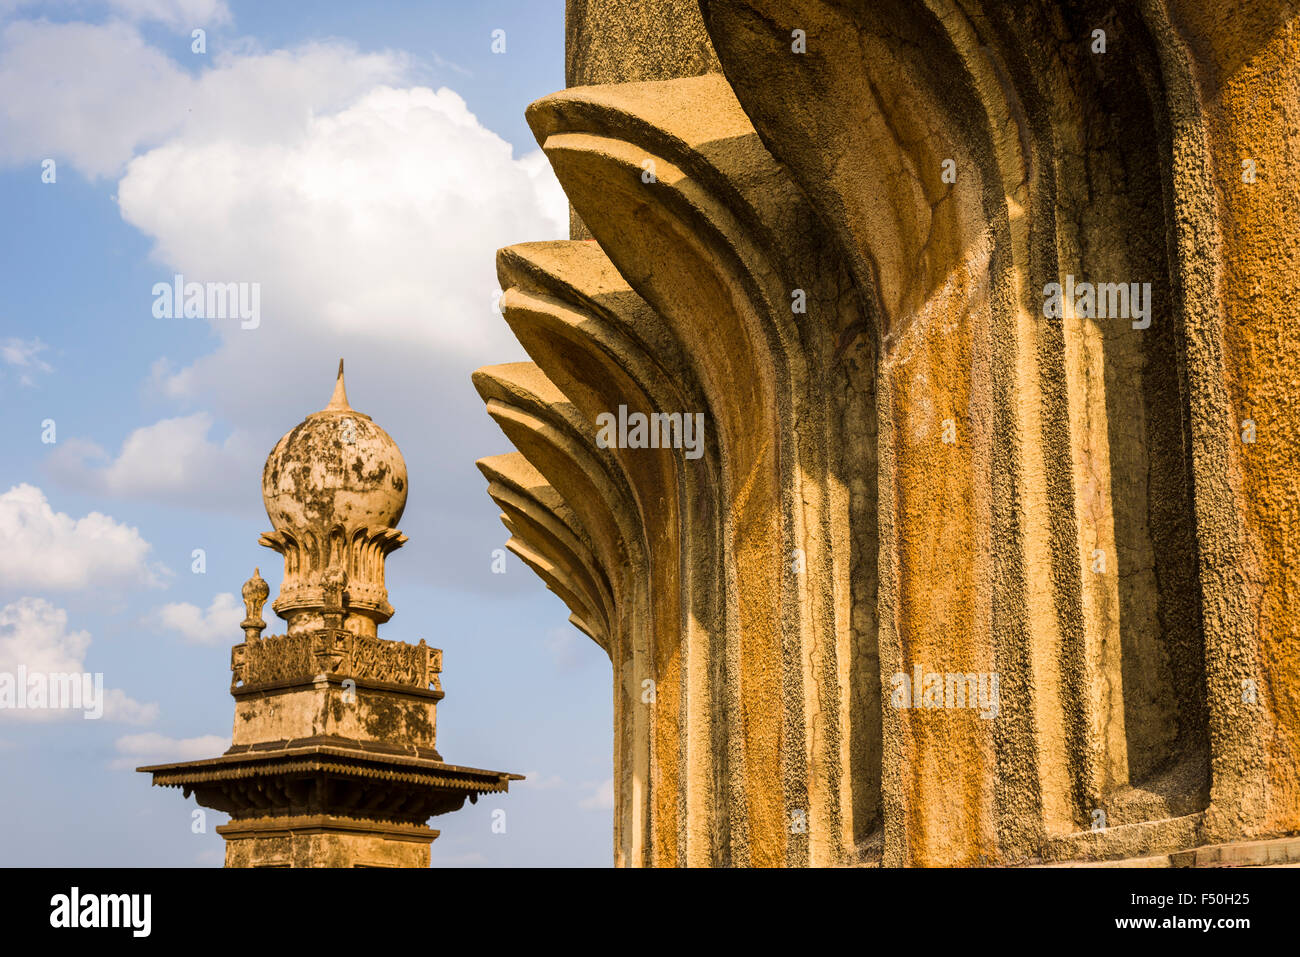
(339, 400)
(255, 592)
(334, 585)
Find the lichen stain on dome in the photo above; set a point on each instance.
(336, 467)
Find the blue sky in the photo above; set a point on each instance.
(361, 164)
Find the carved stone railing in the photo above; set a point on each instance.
(286, 660)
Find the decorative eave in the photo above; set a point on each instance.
(261, 780)
(332, 760)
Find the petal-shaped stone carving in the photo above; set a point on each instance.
(740, 314)
(546, 530)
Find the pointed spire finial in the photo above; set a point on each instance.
(339, 400)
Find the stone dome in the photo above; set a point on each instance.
(335, 468)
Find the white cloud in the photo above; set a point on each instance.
(42, 548)
(119, 707)
(179, 14)
(153, 748)
(24, 355)
(220, 623)
(95, 94)
(360, 206)
(601, 798)
(87, 94)
(380, 220)
(173, 460)
(170, 455)
(34, 635)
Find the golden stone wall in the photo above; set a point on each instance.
(831, 228)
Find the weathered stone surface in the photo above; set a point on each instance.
(1098, 509)
(610, 41)
(325, 842)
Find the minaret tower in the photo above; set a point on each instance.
(333, 762)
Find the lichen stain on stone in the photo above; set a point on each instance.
(384, 719)
(375, 477)
(338, 709)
